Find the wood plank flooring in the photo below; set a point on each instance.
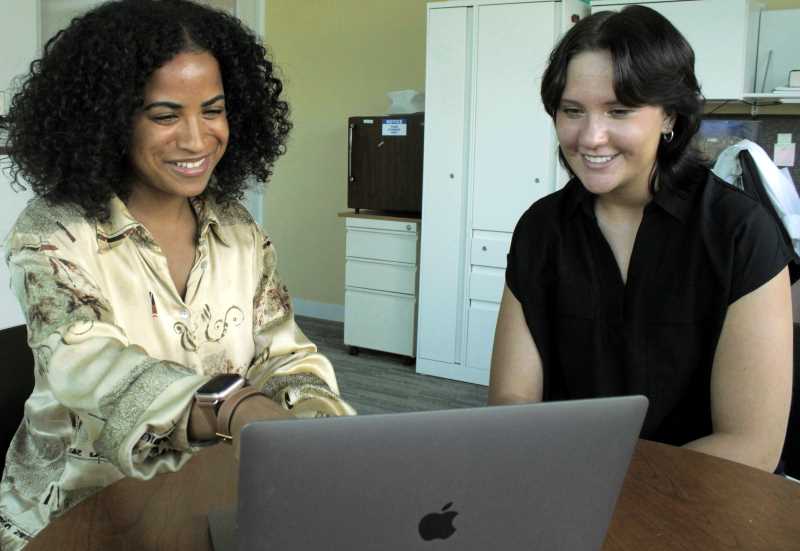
(376, 382)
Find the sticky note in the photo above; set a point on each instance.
(784, 154)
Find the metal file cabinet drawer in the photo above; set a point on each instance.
(380, 321)
(382, 245)
(381, 276)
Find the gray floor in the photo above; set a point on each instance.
(376, 382)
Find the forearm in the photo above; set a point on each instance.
(291, 372)
(739, 448)
(286, 365)
(253, 408)
(202, 428)
(509, 398)
(256, 408)
(131, 406)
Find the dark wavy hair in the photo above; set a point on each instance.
(69, 126)
(653, 65)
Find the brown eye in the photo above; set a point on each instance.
(571, 112)
(620, 112)
(213, 113)
(164, 118)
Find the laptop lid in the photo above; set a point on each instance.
(537, 476)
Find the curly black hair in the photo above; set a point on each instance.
(69, 126)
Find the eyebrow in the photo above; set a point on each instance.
(173, 105)
(574, 102)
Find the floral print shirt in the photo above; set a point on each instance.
(119, 354)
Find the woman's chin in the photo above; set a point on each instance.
(599, 186)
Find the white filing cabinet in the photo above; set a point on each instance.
(490, 151)
(380, 303)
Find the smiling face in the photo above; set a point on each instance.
(181, 132)
(610, 147)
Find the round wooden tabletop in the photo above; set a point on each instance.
(672, 499)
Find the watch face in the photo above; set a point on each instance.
(220, 383)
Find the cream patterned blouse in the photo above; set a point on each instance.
(119, 354)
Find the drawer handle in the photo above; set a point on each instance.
(408, 227)
(483, 248)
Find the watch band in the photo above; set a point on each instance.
(228, 408)
(204, 421)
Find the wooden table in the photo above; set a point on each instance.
(672, 499)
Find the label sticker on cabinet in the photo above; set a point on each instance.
(394, 127)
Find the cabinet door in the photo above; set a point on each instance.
(514, 138)
(482, 322)
(723, 35)
(442, 253)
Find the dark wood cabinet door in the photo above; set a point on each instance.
(385, 163)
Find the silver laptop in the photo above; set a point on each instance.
(538, 476)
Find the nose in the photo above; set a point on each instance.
(190, 135)
(594, 132)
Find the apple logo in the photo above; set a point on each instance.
(438, 525)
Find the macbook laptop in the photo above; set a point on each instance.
(536, 476)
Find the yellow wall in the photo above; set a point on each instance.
(338, 59)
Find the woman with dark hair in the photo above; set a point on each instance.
(646, 274)
(156, 318)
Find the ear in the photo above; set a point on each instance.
(669, 122)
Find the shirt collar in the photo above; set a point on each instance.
(208, 217)
(578, 198)
(676, 202)
(121, 223)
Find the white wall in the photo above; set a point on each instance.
(18, 42)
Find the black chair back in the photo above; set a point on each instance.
(17, 375)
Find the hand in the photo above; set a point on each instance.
(254, 408)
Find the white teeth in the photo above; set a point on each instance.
(194, 164)
(598, 159)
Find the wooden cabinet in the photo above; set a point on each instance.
(381, 284)
(490, 151)
(723, 35)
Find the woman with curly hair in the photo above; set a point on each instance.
(156, 318)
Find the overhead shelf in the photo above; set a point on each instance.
(772, 97)
(757, 100)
